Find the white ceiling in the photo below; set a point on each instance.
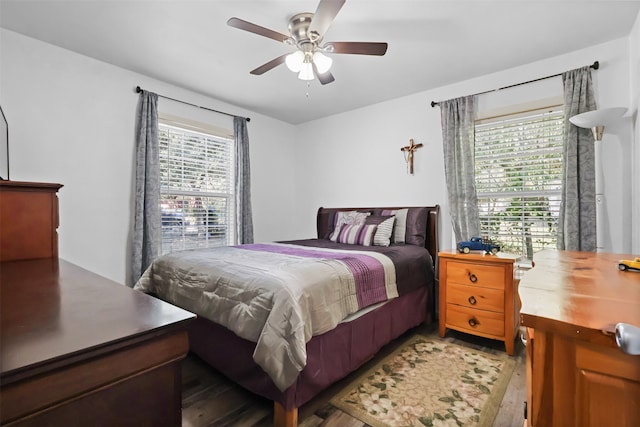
(431, 43)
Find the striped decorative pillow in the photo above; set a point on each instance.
(347, 217)
(384, 230)
(357, 234)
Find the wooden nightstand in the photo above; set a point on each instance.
(478, 295)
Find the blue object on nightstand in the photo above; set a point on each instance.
(478, 244)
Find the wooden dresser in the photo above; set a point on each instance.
(77, 349)
(28, 220)
(478, 295)
(576, 375)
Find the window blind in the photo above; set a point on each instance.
(196, 189)
(518, 170)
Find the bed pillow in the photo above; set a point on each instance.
(415, 233)
(400, 227)
(349, 218)
(411, 225)
(385, 228)
(357, 234)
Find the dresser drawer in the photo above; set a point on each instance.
(476, 297)
(475, 321)
(475, 274)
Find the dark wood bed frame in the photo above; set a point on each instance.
(233, 356)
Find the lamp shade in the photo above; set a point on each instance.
(597, 118)
(294, 61)
(323, 62)
(306, 72)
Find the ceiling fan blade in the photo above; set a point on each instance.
(269, 65)
(323, 78)
(357, 48)
(256, 29)
(324, 16)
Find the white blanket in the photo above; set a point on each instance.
(279, 301)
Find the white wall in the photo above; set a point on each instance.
(354, 158)
(72, 121)
(634, 93)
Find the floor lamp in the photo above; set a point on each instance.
(596, 120)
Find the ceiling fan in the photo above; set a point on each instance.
(306, 32)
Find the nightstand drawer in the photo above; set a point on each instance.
(474, 321)
(476, 274)
(476, 297)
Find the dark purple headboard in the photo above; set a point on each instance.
(326, 216)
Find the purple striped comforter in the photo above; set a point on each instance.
(368, 272)
(276, 295)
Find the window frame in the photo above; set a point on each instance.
(545, 213)
(182, 228)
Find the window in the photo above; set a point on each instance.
(196, 186)
(518, 168)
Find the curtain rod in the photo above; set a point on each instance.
(595, 66)
(139, 89)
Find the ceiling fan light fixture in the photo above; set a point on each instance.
(306, 71)
(294, 61)
(306, 33)
(323, 62)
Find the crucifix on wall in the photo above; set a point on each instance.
(408, 154)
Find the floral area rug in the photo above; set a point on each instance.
(429, 382)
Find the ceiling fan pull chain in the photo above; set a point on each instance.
(308, 86)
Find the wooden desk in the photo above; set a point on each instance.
(576, 375)
(78, 349)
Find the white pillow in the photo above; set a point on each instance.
(400, 229)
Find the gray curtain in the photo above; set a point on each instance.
(244, 218)
(147, 233)
(577, 221)
(458, 116)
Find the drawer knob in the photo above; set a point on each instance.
(473, 278)
(472, 300)
(473, 322)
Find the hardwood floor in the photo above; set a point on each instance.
(209, 399)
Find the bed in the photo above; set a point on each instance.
(289, 355)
